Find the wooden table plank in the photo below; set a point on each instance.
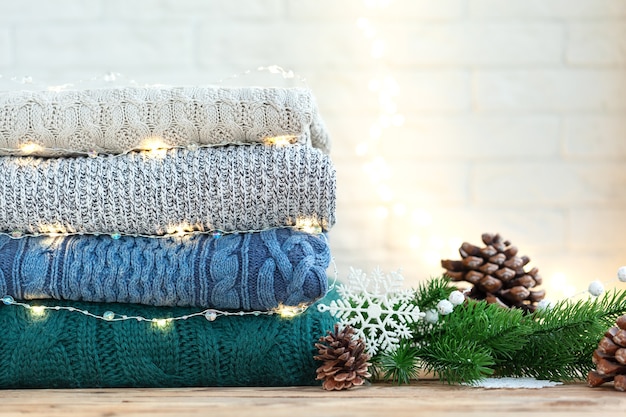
(423, 398)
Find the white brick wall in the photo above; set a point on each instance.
(6, 47)
(548, 9)
(515, 110)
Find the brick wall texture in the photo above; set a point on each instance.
(449, 118)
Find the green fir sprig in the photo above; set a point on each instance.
(562, 340)
(400, 365)
(430, 292)
(478, 339)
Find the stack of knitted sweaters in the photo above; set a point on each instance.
(160, 203)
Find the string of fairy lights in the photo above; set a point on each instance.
(152, 147)
(38, 311)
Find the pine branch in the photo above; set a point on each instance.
(554, 344)
(430, 292)
(562, 340)
(466, 344)
(479, 339)
(456, 360)
(400, 365)
(502, 331)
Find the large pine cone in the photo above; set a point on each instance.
(497, 273)
(345, 361)
(610, 358)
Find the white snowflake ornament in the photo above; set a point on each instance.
(376, 307)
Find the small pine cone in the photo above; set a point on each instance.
(497, 274)
(610, 358)
(345, 361)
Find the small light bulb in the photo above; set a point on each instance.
(280, 140)
(28, 148)
(155, 147)
(309, 225)
(160, 323)
(288, 312)
(37, 310)
(179, 229)
(153, 144)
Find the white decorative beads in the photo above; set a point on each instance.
(621, 274)
(431, 316)
(7, 300)
(456, 298)
(444, 307)
(108, 315)
(545, 305)
(596, 288)
(210, 315)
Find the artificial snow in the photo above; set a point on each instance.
(513, 383)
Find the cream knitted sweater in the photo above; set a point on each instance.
(117, 120)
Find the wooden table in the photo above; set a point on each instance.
(422, 398)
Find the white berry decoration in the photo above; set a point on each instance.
(444, 307)
(596, 288)
(456, 298)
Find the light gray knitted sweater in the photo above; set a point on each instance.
(229, 188)
(117, 120)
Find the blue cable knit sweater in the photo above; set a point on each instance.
(247, 271)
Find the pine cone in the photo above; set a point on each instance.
(610, 358)
(345, 361)
(497, 274)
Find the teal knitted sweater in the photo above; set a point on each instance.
(65, 349)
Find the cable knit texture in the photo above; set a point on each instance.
(230, 188)
(120, 119)
(69, 350)
(249, 271)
